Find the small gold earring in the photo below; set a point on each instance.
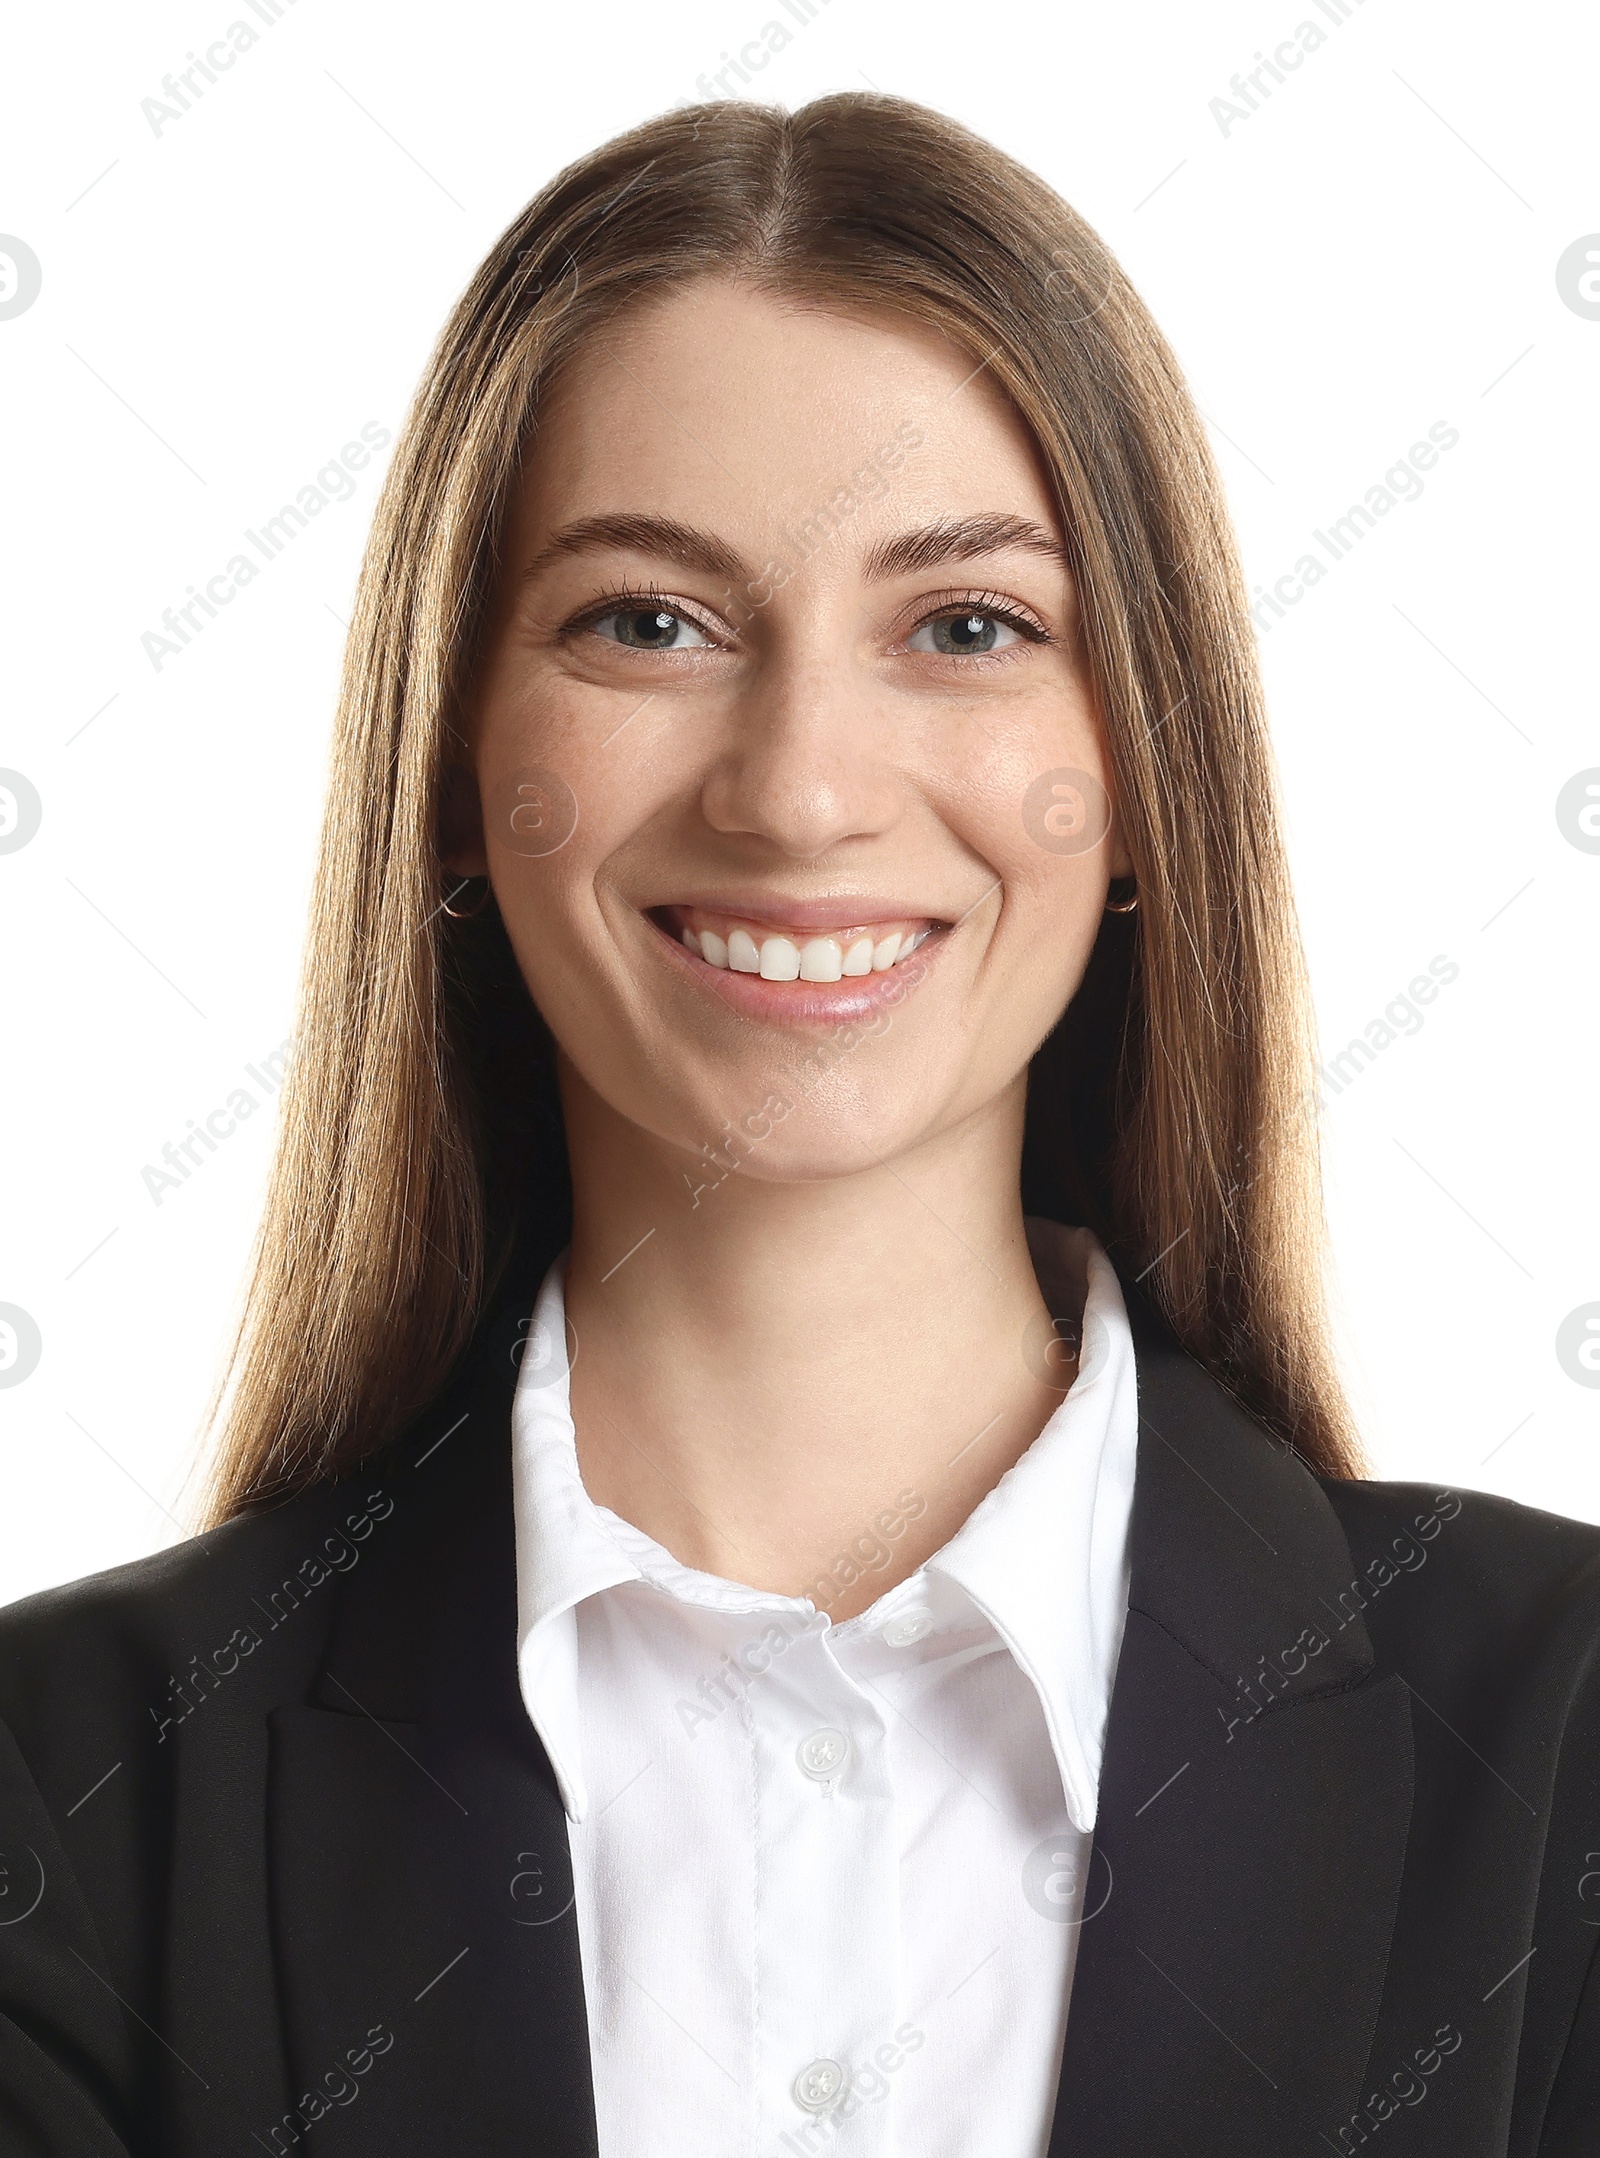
(1123, 906)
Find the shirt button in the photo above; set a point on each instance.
(909, 1628)
(817, 2087)
(822, 1755)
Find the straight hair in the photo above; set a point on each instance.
(1173, 1109)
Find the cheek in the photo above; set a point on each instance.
(1025, 775)
(567, 787)
(540, 770)
(1044, 836)
(1035, 810)
(1054, 907)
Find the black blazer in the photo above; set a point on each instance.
(285, 1865)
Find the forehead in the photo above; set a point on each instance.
(736, 409)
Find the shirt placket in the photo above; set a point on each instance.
(827, 1949)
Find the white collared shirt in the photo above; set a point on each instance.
(829, 1878)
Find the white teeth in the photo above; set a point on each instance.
(820, 961)
(780, 960)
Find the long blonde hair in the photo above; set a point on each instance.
(1169, 1110)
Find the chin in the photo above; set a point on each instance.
(792, 1134)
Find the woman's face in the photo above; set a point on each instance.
(791, 772)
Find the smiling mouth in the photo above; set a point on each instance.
(737, 945)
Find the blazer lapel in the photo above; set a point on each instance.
(1254, 1804)
(1253, 1811)
(422, 1890)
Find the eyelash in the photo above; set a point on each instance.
(628, 599)
(947, 606)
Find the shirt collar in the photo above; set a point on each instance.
(1044, 1556)
(563, 1551)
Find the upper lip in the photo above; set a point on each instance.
(849, 910)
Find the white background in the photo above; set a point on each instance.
(224, 304)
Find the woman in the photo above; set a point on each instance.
(788, 1568)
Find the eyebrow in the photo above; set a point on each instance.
(960, 539)
(949, 539)
(684, 544)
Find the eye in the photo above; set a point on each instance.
(966, 632)
(649, 629)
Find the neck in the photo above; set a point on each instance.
(806, 1387)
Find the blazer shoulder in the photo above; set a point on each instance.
(182, 1578)
(1490, 1572)
(123, 1631)
(1489, 1525)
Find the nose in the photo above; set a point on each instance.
(805, 765)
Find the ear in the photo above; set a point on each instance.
(1121, 859)
(460, 835)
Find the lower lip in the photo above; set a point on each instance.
(797, 1003)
